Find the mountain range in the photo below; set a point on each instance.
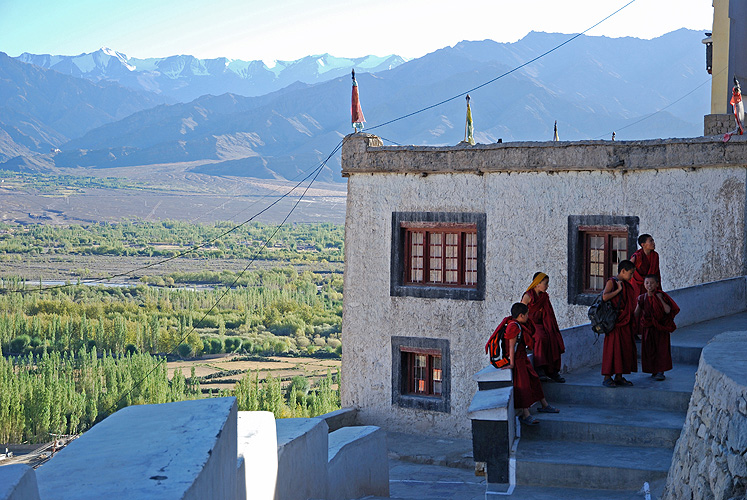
(591, 86)
(184, 78)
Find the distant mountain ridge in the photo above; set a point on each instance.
(184, 78)
(592, 86)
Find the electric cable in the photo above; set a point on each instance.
(660, 110)
(229, 287)
(502, 75)
(192, 249)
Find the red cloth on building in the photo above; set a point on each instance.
(548, 342)
(644, 265)
(619, 354)
(527, 385)
(656, 325)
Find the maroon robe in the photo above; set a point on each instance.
(527, 385)
(644, 265)
(619, 354)
(656, 325)
(548, 342)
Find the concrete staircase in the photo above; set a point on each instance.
(614, 439)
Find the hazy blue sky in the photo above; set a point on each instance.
(290, 29)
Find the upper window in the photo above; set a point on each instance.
(438, 255)
(596, 245)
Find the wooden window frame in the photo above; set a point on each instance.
(579, 292)
(403, 380)
(410, 378)
(609, 264)
(467, 287)
(429, 231)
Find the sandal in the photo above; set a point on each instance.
(530, 420)
(623, 381)
(556, 377)
(659, 376)
(609, 383)
(548, 409)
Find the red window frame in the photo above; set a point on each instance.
(604, 247)
(423, 372)
(443, 255)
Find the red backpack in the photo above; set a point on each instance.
(496, 346)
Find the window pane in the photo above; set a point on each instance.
(420, 373)
(415, 273)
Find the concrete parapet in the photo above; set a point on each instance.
(184, 450)
(302, 458)
(258, 449)
(710, 300)
(18, 482)
(710, 457)
(365, 153)
(345, 417)
(357, 463)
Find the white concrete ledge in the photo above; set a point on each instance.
(709, 301)
(302, 459)
(344, 417)
(492, 374)
(18, 482)
(258, 448)
(358, 464)
(492, 404)
(185, 450)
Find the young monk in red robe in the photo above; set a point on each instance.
(656, 311)
(548, 342)
(527, 385)
(619, 354)
(646, 262)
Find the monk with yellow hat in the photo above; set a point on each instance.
(548, 342)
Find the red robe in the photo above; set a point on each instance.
(527, 385)
(619, 354)
(548, 342)
(656, 325)
(644, 265)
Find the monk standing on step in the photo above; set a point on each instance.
(548, 342)
(656, 311)
(527, 385)
(619, 355)
(646, 262)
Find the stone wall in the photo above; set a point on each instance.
(710, 457)
(718, 124)
(691, 197)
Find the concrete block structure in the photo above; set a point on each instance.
(440, 241)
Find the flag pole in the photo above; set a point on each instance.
(356, 113)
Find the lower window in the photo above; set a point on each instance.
(420, 373)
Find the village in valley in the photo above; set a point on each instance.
(210, 294)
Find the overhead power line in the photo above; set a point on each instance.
(462, 94)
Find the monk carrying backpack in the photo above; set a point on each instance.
(496, 346)
(602, 315)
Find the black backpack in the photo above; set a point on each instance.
(603, 315)
(496, 346)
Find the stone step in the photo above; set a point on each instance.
(620, 426)
(571, 464)
(584, 387)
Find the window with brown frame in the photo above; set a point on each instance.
(420, 373)
(440, 254)
(604, 248)
(423, 372)
(596, 245)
